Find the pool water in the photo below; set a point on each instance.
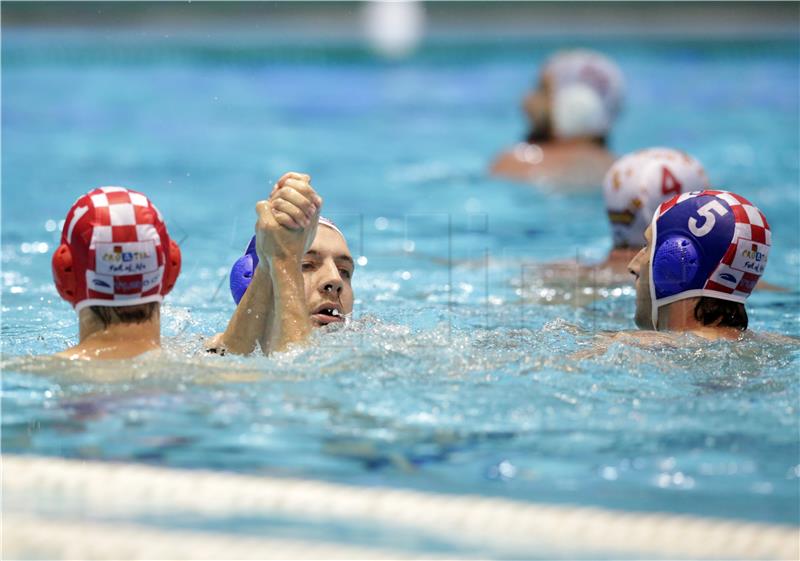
(447, 379)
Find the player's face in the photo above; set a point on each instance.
(327, 271)
(538, 105)
(640, 269)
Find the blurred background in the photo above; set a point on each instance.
(457, 380)
(395, 109)
(343, 19)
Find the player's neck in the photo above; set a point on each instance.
(144, 334)
(679, 316)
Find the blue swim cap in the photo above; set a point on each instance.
(706, 243)
(242, 271)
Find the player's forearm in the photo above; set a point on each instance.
(291, 322)
(252, 320)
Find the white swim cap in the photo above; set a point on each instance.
(594, 71)
(329, 223)
(638, 182)
(578, 111)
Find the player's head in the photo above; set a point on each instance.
(640, 181)
(712, 245)
(579, 95)
(116, 256)
(327, 268)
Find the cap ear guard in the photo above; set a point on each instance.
(242, 271)
(174, 268)
(676, 263)
(578, 111)
(674, 267)
(64, 274)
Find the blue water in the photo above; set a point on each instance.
(447, 380)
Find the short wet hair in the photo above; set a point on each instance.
(537, 136)
(124, 314)
(720, 313)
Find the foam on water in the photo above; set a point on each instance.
(510, 411)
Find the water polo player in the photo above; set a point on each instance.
(295, 275)
(115, 264)
(633, 188)
(571, 113)
(705, 252)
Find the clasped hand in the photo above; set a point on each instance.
(287, 220)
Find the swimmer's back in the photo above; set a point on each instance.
(556, 165)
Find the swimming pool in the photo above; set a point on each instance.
(447, 381)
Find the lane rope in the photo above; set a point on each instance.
(36, 537)
(505, 526)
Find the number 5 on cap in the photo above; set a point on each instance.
(710, 219)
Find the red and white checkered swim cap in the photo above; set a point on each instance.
(115, 251)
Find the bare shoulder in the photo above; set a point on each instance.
(604, 157)
(586, 165)
(501, 161)
(769, 287)
(773, 338)
(517, 163)
(108, 350)
(72, 353)
(33, 363)
(62, 365)
(646, 339)
(652, 339)
(600, 343)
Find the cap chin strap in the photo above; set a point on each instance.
(651, 280)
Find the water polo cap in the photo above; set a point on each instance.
(578, 111)
(244, 267)
(587, 92)
(706, 243)
(638, 182)
(115, 251)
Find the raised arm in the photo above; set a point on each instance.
(286, 227)
(254, 317)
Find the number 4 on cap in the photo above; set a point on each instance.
(669, 185)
